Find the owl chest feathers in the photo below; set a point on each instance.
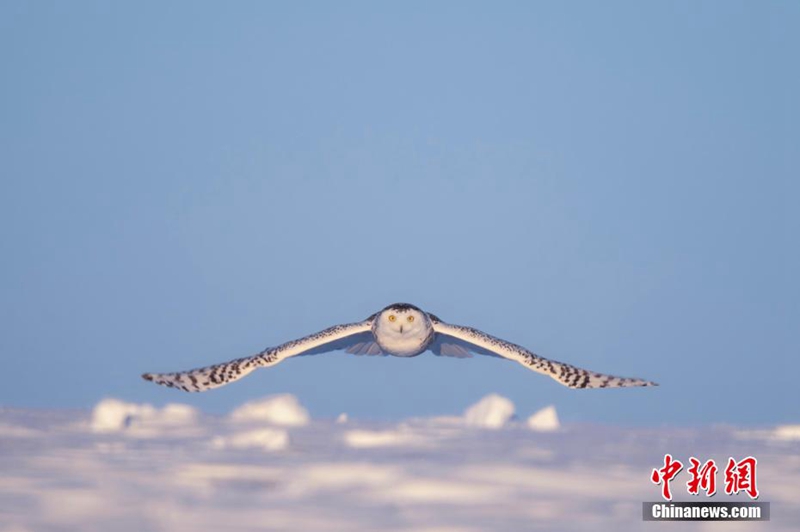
(408, 343)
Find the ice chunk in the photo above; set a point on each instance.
(544, 420)
(271, 439)
(282, 409)
(112, 415)
(491, 412)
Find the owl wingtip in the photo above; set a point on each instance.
(147, 376)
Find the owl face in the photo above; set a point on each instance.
(403, 319)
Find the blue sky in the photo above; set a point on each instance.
(613, 186)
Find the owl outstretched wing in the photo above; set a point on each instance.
(331, 339)
(457, 339)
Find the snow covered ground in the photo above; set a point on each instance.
(269, 466)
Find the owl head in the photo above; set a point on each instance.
(402, 318)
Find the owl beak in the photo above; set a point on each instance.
(401, 329)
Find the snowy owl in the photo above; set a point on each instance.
(400, 330)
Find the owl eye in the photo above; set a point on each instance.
(392, 317)
(410, 319)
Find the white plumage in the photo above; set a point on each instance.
(401, 330)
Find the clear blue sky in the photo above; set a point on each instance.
(614, 185)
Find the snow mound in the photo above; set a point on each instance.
(264, 439)
(113, 415)
(15, 528)
(544, 420)
(787, 433)
(175, 414)
(491, 412)
(282, 409)
(364, 439)
(342, 418)
(781, 433)
(7, 430)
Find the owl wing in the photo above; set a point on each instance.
(475, 341)
(330, 339)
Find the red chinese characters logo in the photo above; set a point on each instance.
(739, 476)
(665, 475)
(704, 477)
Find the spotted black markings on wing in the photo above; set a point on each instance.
(566, 374)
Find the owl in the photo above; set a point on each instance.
(400, 330)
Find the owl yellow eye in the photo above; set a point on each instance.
(392, 317)
(410, 319)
